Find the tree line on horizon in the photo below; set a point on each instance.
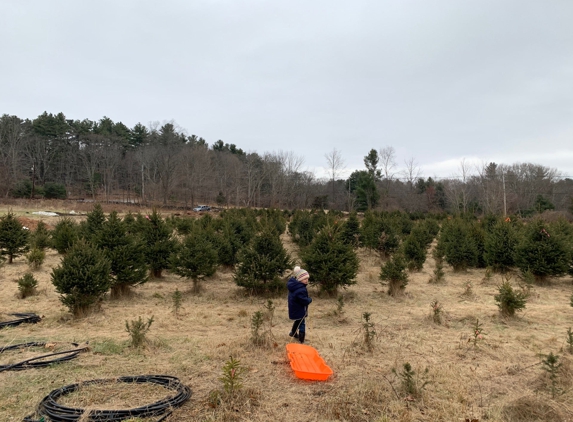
(55, 157)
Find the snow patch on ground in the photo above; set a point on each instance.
(46, 213)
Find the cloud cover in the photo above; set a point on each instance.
(438, 81)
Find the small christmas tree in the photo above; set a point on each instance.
(13, 237)
(262, 263)
(301, 228)
(542, 251)
(509, 300)
(130, 223)
(234, 233)
(478, 235)
(158, 243)
(458, 246)
(82, 278)
(195, 258)
(274, 220)
(379, 233)
(125, 253)
(41, 237)
(93, 223)
(64, 235)
(414, 249)
(499, 248)
(394, 272)
(331, 262)
(351, 230)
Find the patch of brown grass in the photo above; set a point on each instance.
(531, 408)
(114, 395)
(500, 379)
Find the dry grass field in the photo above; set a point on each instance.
(500, 379)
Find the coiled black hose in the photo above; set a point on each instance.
(27, 317)
(50, 410)
(31, 363)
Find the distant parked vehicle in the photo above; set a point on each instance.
(200, 208)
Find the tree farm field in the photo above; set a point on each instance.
(499, 378)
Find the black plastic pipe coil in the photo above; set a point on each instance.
(50, 410)
(35, 362)
(20, 318)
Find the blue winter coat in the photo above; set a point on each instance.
(298, 299)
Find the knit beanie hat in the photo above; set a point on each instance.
(300, 274)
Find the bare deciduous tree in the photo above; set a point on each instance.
(11, 146)
(411, 172)
(335, 167)
(387, 158)
(457, 189)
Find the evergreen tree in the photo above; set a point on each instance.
(273, 219)
(394, 272)
(542, 204)
(363, 185)
(130, 223)
(565, 230)
(158, 243)
(227, 247)
(331, 262)
(379, 233)
(195, 259)
(305, 225)
(478, 235)
(64, 235)
(542, 251)
(508, 300)
(458, 245)
(414, 250)
(499, 247)
(41, 237)
(125, 253)
(262, 263)
(13, 237)
(82, 278)
(351, 230)
(93, 223)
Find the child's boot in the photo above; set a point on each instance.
(301, 337)
(293, 334)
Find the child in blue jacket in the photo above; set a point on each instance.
(298, 301)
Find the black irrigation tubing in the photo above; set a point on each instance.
(50, 410)
(29, 318)
(31, 363)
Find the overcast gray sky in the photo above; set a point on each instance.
(484, 80)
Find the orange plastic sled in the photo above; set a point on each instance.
(307, 363)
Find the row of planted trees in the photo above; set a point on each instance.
(111, 254)
(108, 253)
(538, 249)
